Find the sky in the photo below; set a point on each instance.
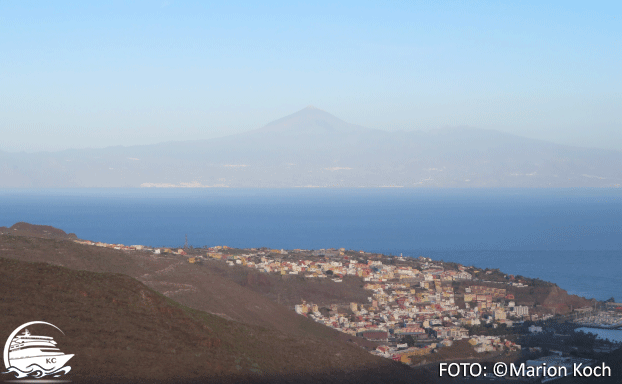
(94, 74)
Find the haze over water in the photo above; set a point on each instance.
(571, 237)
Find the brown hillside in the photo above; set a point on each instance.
(562, 302)
(291, 289)
(197, 286)
(121, 331)
(32, 230)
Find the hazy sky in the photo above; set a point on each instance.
(74, 74)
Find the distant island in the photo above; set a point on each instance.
(314, 149)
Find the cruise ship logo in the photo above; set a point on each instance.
(36, 356)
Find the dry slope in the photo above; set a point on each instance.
(121, 330)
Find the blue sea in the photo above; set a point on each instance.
(572, 237)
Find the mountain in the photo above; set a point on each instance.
(314, 148)
(310, 120)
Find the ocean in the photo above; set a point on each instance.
(571, 237)
(613, 335)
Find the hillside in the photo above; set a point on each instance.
(33, 230)
(314, 148)
(197, 287)
(289, 290)
(120, 330)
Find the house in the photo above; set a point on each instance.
(445, 332)
(499, 314)
(521, 310)
(412, 331)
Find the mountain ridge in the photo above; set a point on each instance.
(311, 147)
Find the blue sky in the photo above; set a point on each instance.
(76, 74)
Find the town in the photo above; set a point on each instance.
(417, 310)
